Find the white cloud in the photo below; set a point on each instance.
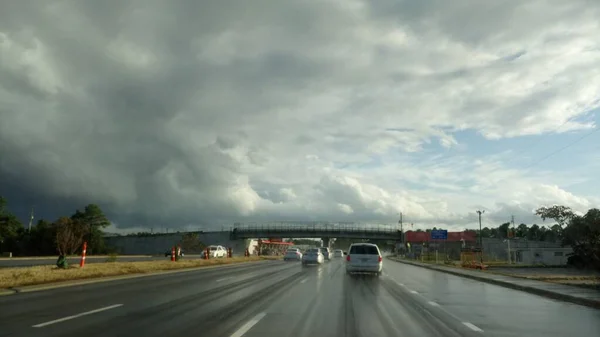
(294, 110)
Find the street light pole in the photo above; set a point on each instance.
(30, 220)
(479, 212)
(400, 221)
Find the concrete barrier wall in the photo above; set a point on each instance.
(159, 244)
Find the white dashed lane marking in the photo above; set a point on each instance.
(76, 316)
(246, 327)
(472, 326)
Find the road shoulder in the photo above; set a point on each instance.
(581, 296)
(71, 283)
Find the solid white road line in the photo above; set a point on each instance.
(472, 326)
(76, 316)
(400, 284)
(304, 281)
(223, 279)
(433, 304)
(246, 327)
(414, 292)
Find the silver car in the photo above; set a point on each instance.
(338, 253)
(292, 254)
(312, 255)
(364, 258)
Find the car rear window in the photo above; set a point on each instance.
(364, 250)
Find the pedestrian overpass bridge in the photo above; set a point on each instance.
(323, 230)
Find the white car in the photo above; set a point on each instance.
(216, 252)
(326, 253)
(338, 253)
(313, 255)
(364, 258)
(292, 254)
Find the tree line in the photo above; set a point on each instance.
(524, 231)
(64, 236)
(580, 232)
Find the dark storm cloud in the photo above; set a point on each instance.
(203, 112)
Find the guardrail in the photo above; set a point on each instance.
(316, 227)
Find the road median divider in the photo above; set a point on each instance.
(510, 281)
(54, 257)
(14, 278)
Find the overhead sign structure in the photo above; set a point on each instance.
(439, 234)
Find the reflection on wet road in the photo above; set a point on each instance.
(286, 299)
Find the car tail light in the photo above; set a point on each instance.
(348, 258)
(380, 258)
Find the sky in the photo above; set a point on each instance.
(199, 114)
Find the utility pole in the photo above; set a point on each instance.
(512, 221)
(31, 219)
(480, 234)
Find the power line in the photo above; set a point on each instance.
(563, 148)
(539, 140)
(551, 154)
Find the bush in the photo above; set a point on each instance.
(112, 257)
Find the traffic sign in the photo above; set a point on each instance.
(439, 234)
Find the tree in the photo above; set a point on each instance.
(190, 243)
(583, 235)
(486, 232)
(68, 235)
(94, 220)
(533, 233)
(556, 232)
(521, 231)
(41, 239)
(10, 228)
(503, 230)
(561, 214)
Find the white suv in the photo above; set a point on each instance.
(216, 251)
(364, 258)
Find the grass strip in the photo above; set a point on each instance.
(25, 276)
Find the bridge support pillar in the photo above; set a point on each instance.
(325, 242)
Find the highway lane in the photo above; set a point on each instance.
(285, 299)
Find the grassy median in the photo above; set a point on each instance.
(24, 276)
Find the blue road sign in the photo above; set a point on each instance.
(439, 234)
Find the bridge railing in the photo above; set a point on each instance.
(314, 227)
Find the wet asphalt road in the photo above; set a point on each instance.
(275, 298)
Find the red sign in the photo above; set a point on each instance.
(468, 236)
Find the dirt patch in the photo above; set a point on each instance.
(548, 272)
(16, 277)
